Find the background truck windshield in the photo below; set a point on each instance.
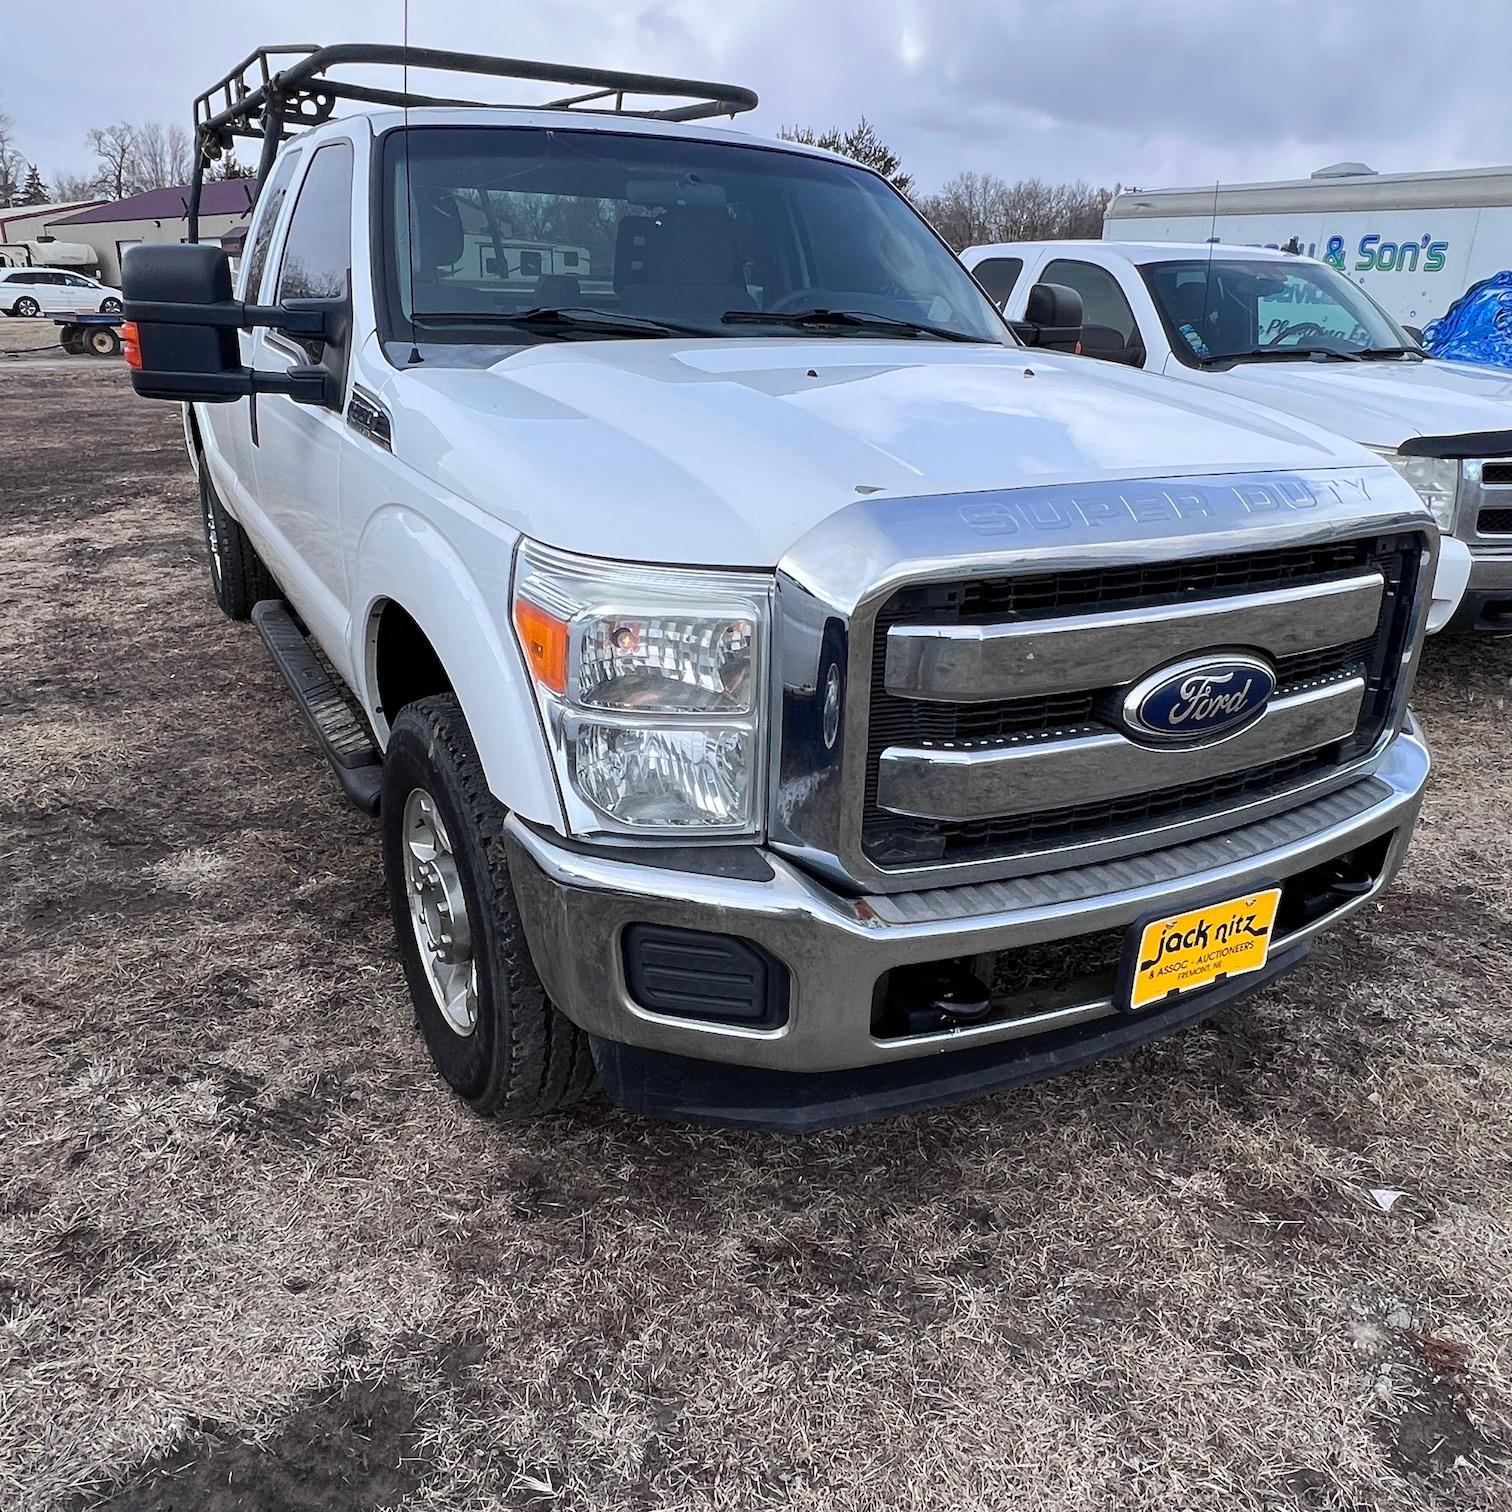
(648, 229)
(1232, 307)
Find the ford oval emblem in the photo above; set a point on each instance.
(1199, 698)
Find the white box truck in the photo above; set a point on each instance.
(1433, 249)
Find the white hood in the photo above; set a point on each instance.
(1377, 403)
(725, 452)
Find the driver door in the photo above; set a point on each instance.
(297, 448)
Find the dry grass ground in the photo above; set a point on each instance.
(252, 1254)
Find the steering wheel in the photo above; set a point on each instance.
(795, 299)
(1297, 332)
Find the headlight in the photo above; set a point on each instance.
(650, 682)
(1436, 480)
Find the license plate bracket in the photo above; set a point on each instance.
(1170, 955)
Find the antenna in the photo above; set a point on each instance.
(1207, 283)
(409, 200)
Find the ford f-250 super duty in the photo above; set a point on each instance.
(785, 697)
(1298, 336)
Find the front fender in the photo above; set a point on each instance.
(457, 590)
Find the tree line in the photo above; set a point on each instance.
(969, 209)
(129, 158)
(973, 208)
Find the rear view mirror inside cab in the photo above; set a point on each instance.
(689, 192)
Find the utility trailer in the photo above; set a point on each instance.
(89, 334)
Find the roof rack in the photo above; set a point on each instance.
(258, 98)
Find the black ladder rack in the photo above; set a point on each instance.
(258, 98)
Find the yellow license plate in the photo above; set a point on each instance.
(1202, 947)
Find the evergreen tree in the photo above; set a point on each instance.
(229, 168)
(862, 143)
(34, 192)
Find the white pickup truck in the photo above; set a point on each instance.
(784, 698)
(1296, 335)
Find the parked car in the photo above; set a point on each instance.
(51, 291)
(1295, 335)
(783, 698)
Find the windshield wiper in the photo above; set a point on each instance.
(1369, 354)
(855, 319)
(562, 320)
(1280, 354)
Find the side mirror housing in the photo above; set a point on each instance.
(1052, 318)
(1416, 332)
(182, 322)
(186, 359)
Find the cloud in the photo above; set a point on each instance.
(1181, 91)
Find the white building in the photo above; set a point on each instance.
(159, 215)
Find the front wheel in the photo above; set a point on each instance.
(494, 1036)
(237, 575)
(27, 306)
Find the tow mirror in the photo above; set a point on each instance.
(1052, 318)
(182, 321)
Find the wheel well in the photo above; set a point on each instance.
(405, 663)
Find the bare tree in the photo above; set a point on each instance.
(862, 143)
(69, 187)
(159, 157)
(980, 207)
(11, 162)
(114, 148)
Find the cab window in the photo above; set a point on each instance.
(1109, 328)
(998, 275)
(317, 255)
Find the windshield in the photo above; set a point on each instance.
(1232, 308)
(637, 235)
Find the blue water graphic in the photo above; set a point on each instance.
(1477, 327)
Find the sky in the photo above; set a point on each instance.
(1139, 92)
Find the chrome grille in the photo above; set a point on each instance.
(1486, 501)
(1349, 587)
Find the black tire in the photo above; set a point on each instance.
(110, 307)
(238, 578)
(27, 307)
(102, 341)
(522, 1058)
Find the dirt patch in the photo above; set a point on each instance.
(356, 1447)
(248, 1241)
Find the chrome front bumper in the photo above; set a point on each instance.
(1487, 604)
(577, 902)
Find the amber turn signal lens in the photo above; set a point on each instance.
(131, 344)
(544, 638)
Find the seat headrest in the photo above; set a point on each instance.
(438, 231)
(632, 251)
(696, 245)
(1191, 301)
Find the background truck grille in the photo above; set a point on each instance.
(896, 840)
(1495, 521)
